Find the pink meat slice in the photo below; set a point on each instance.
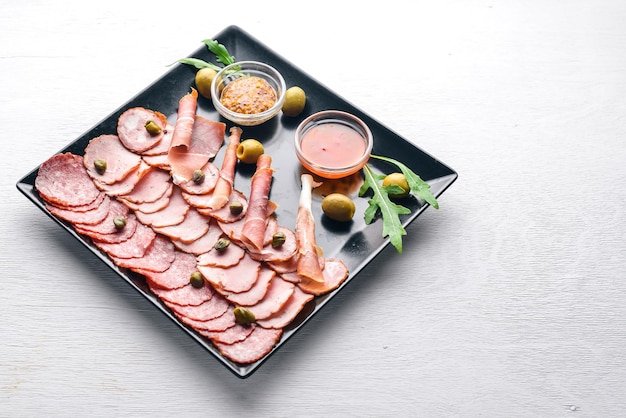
(255, 221)
(284, 252)
(164, 144)
(106, 231)
(204, 244)
(90, 217)
(231, 335)
(278, 293)
(288, 313)
(334, 273)
(158, 257)
(176, 276)
(133, 247)
(131, 129)
(84, 208)
(221, 323)
(282, 267)
(62, 180)
(224, 214)
(207, 137)
(238, 278)
(259, 343)
(211, 309)
(151, 207)
(172, 214)
(227, 257)
(190, 229)
(107, 226)
(211, 174)
(186, 295)
(126, 185)
(152, 185)
(226, 182)
(120, 161)
(256, 293)
(161, 161)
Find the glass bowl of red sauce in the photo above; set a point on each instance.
(333, 144)
(248, 93)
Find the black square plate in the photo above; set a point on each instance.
(355, 243)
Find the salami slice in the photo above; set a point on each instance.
(120, 162)
(176, 276)
(134, 247)
(90, 217)
(158, 257)
(256, 345)
(106, 232)
(186, 295)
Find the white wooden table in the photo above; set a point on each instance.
(508, 301)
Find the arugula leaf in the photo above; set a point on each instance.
(418, 186)
(198, 63)
(221, 53)
(392, 227)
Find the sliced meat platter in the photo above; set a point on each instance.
(155, 203)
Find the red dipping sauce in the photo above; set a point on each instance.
(333, 144)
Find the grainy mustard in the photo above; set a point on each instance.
(248, 95)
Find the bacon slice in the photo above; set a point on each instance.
(308, 258)
(255, 221)
(226, 182)
(131, 128)
(120, 161)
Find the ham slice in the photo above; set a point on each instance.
(186, 295)
(134, 247)
(335, 272)
(278, 293)
(172, 214)
(105, 231)
(204, 244)
(211, 174)
(151, 186)
(231, 335)
(159, 256)
(131, 129)
(221, 323)
(255, 221)
(150, 207)
(224, 214)
(89, 217)
(289, 311)
(226, 182)
(283, 253)
(120, 162)
(190, 229)
(126, 185)
(238, 278)
(176, 276)
(225, 258)
(256, 293)
(254, 347)
(211, 309)
(308, 259)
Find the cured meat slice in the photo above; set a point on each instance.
(211, 309)
(134, 247)
(287, 266)
(308, 259)
(190, 229)
(221, 323)
(278, 293)
(107, 226)
(238, 278)
(172, 214)
(163, 145)
(234, 229)
(84, 208)
(224, 258)
(289, 311)
(131, 129)
(158, 161)
(176, 276)
(211, 174)
(126, 185)
(186, 295)
(334, 273)
(256, 292)
(256, 345)
(90, 217)
(151, 186)
(224, 214)
(226, 182)
(106, 232)
(62, 180)
(120, 161)
(207, 137)
(231, 335)
(150, 207)
(158, 257)
(284, 252)
(255, 221)
(183, 164)
(204, 244)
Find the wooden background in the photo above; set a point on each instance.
(507, 302)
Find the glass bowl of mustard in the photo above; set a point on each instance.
(333, 144)
(248, 93)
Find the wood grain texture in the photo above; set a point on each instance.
(508, 301)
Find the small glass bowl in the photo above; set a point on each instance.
(234, 71)
(337, 169)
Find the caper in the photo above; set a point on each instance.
(339, 207)
(295, 100)
(249, 150)
(119, 222)
(236, 207)
(196, 279)
(221, 244)
(153, 128)
(397, 184)
(278, 239)
(100, 165)
(243, 316)
(197, 176)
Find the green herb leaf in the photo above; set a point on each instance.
(198, 63)
(418, 186)
(221, 53)
(392, 227)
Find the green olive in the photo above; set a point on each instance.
(196, 279)
(204, 78)
(153, 128)
(295, 100)
(338, 207)
(397, 179)
(249, 151)
(119, 222)
(243, 316)
(100, 166)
